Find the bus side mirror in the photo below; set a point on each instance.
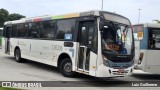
(101, 26)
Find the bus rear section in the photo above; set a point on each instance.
(95, 43)
(1, 34)
(148, 47)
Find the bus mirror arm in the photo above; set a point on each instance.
(101, 25)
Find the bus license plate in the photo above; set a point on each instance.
(121, 71)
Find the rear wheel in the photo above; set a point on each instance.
(66, 68)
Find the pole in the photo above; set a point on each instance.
(102, 5)
(139, 15)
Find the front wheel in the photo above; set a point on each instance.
(66, 68)
(18, 56)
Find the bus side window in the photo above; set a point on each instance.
(65, 29)
(8, 31)
(154, 39)
(48, 30)
(22, 32)
(14, 30)
(33, 31)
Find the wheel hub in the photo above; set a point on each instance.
(68, 67)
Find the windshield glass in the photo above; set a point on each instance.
(117, 38)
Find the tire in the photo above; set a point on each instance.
(17, 55)
(66, 68)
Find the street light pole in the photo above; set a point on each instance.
(102, 5)
(139, 15)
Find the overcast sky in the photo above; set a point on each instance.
(127, 8)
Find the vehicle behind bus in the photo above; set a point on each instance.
(95, 43)
(147, 47)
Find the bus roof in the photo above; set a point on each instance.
(71, 15)
(152, 25)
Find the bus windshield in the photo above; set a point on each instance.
(117, 38)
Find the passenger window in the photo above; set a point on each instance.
(65, 29)
(21, 31)
(34, 28)
(14, 31)
(48, 30)
(154, 39)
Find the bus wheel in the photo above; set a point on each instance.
(18, 55)
(66, 68)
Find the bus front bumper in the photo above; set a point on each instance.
(104, 71)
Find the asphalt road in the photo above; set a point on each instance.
(10, 70)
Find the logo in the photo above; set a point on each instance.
(6, 84)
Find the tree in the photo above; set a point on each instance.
(15, 17)
(5, 16)
(158, 21)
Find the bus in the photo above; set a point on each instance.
(96, 43)
(147, 47)
(1, 33)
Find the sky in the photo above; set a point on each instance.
(128, 8)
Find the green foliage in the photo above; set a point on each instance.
(5, 16)
(158, 21)
(15, 17)
(2, 88)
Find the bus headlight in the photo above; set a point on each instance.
(105, 61)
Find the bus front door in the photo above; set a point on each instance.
(86, 30)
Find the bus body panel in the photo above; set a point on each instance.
(142, 65)
(93, 64)
(153, 57)
(42, 50)
(150, 62)
(137, 51)
(3, 44)
(154, 69)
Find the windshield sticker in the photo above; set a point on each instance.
(140, 34)
(113, 47)
(68, 36)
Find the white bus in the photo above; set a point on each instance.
(1, 34)
(147, 47)
(95, 43)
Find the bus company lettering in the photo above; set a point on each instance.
(57, 47)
